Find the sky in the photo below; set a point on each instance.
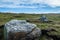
(30, 6)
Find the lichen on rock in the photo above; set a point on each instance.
(21, 30)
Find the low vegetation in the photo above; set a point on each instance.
(53, 17)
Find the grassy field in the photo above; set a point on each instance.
(54, 17)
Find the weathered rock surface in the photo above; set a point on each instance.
(21, 30)
(45, 19)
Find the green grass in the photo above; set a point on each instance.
(54, 17)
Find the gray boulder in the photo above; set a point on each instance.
(21, 30)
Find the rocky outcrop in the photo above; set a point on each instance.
(21, 30)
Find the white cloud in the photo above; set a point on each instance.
(52, 3)
(14, 6)
(16, 3)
